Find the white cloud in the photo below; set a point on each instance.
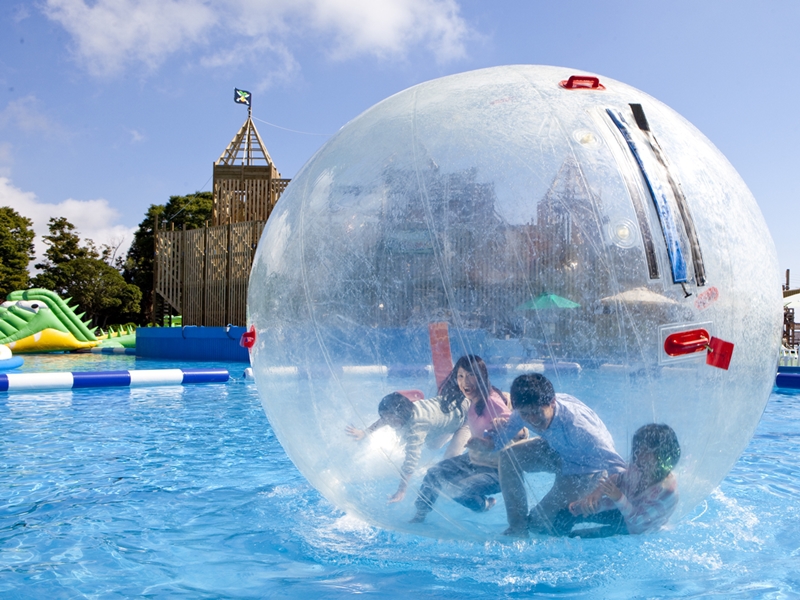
(24, 114)
(93, 219)
(283, 67)
(389, 27)
(136, 136)
(110, 35)
(19, 13)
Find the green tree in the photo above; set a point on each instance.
(16, 250)
(100, 291)
(63, 245)
(79, 271)
(191, 211)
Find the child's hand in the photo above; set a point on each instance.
(500, 422)
(610, 489)
(587, 505)
(576, 508)
(479, 444)
(397, 496)
(357, 434)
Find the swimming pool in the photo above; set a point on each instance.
(185, 492)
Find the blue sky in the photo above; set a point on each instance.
(108, 106)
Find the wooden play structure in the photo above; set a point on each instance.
(202, 274)
(791, 327)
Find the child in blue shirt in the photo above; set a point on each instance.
(573, 443)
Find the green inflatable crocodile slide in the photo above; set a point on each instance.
(38, 320)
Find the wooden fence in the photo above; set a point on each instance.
(203, 273)
(791, 329)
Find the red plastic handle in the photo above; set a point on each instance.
(582, 82)
(248, 339)
(687, 342)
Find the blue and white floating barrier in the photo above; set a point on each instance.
(7, 360)
(128, 351)
(418, 369)
(788, 377)
(24, 382)
(8, 364)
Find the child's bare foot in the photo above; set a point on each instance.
(490, 502)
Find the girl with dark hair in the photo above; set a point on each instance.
(476, 479)
(450, 395)
(638, 500)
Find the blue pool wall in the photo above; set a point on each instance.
(405, 346)
(191, 343)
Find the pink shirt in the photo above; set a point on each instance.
(495, 407)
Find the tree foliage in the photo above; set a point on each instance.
(63, 245)
(81, 272)
(191, 211)
(100, 291)
(16, 250)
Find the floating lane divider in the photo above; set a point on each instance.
(128, 351)
(24, 382)
(413, 369)
(788, 377)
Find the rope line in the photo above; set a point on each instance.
(291, 130)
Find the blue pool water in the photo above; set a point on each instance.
(185, 492)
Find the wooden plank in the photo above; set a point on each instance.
(167, 267)
(194, 279)
(215, 276)
(243, 172)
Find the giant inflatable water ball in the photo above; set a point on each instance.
(544, 219)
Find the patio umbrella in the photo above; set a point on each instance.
(793, 302)
(545, 301)
(638, 295)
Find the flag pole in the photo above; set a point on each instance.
(250, 124)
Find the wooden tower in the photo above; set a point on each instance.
(246, 182)
(203, 274)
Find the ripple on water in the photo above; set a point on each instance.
(185, 492)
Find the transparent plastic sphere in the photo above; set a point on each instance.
(561, 227)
